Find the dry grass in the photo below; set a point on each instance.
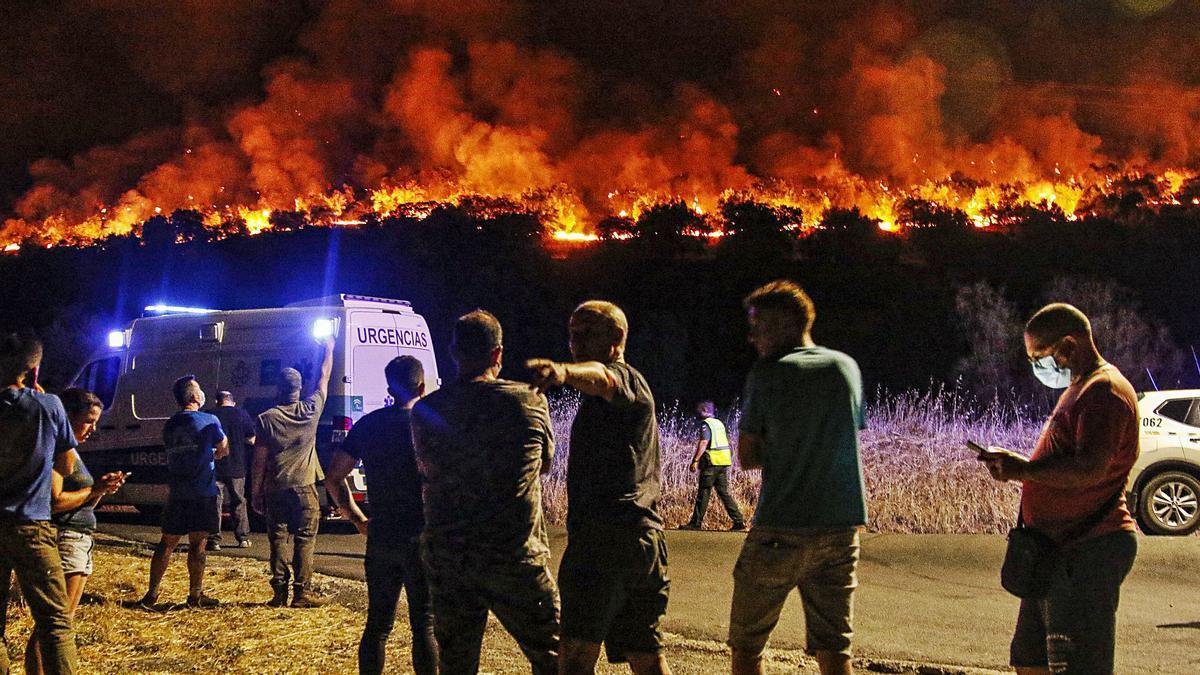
(919, 476)
(245, 636)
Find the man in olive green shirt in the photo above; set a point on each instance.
(284, 477)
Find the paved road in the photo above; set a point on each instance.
(924, 598)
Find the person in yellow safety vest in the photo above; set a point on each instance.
(713, 457)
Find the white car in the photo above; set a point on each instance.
(1164, 486)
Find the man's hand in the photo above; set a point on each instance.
(1004, 464)
(361, 526)
(258, 502)
(695, 466)
(109, 483)
(547, 374)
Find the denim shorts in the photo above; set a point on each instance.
(820, 564)
(1073, 629)
(75, 549)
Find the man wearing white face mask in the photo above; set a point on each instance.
(1073, 491)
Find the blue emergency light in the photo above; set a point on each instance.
(323, 328)
(116, 339)
(172, 309)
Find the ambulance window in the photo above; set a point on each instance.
(1178, 410)
(100, 378)
(1193, 418)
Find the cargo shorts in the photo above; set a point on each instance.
(820, 564)
(615, 588)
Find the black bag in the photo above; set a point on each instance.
(1032, 556)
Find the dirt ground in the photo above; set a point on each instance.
(244, 635)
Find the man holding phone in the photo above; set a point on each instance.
(1075, 480)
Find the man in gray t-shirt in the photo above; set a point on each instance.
(283, 480)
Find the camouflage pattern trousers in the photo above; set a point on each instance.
(466, 582)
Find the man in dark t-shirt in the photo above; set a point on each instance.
(193, 442)
(382, 441)
(482, 444)
(613, 575)
(231, 470)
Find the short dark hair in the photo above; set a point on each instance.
(78, 401)
(476, 335)
(783, 296)
(223, 396)
(18, 355)
(1056, 321)
(405, 374)
(290, 382)
(185, 389)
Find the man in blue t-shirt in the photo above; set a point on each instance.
(193, 442)
(803, 411)
(35, 451)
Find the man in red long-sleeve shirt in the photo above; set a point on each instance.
(1081, 461)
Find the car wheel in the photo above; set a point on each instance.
(1170, 504)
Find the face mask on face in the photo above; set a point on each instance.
(1050, 373)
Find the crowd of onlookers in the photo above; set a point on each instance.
(456, 517)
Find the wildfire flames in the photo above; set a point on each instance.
(469, 111)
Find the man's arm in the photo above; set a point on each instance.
(701, 448)
(326, 368)
(258, 473)
(335, 483)
(750, 451)
(221, 449)
(590, 377)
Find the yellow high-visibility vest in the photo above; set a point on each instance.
(718, 444)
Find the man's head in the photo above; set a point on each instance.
(781, 317)
(188, 392)
(83, 410)
(405, 378)
(225, 398)
(706, 409)
(18, 357)
(477, 344)
(598, 331)
(1061, 331)
(290, 383)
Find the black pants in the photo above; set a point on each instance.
(718, 477)
(390, 568)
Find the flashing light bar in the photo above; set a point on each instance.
(116, 339)
(172, 309)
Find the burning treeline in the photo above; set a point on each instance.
(581, 112)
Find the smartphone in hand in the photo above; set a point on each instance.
(982, 452)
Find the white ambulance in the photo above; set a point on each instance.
(241, 351)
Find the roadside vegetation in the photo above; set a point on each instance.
(919, 476)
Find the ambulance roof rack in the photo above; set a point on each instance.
(341, 299)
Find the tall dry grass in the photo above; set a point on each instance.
(919, 476)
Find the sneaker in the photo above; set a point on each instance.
(244, 543)
(202, 601)
(212, 546)
(148, 602)
(738, 527)
(306, 600)
(690, 526)
(279, 599)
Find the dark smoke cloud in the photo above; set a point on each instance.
(145, 107)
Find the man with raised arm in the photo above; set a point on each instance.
(285, 474)
(613, 575)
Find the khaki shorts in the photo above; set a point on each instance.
(820, 564)
(75, 549)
